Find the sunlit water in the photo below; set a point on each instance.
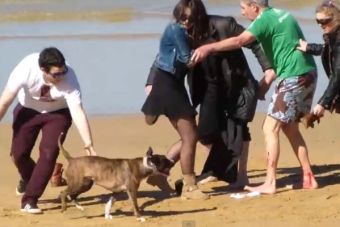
(112, 59)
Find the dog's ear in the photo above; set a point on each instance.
(149, 152)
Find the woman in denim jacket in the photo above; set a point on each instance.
(169, 96)
(328, 17)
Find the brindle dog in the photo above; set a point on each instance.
(112, 174)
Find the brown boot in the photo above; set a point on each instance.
(190, 189)
(56, 179)
(161, 182)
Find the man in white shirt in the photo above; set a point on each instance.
(49, 99)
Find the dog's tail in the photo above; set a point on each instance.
(65, 152)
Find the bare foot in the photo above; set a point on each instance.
(263, 188)
(309, 181)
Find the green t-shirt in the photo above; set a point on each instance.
(279, 34)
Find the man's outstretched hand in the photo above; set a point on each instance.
(201, 53)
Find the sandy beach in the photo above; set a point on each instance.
(127, 136)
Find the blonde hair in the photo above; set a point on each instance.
(331, 8)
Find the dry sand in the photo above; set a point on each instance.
(128, 136)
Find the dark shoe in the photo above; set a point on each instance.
(179, 187)
(151, 119)
(20, 189)
(30, 208)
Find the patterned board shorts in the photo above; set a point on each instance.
(293, 97)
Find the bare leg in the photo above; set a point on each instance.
(174, 152)
(298, 144)
(183, 150)
(271, 129)
(242, 177)
(186, 128)
(206, 148)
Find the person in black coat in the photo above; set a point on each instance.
(226, 91)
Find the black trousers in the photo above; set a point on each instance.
(220, 163)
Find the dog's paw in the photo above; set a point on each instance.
(108, 216)
(141, 219)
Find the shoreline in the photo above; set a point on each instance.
(23, 11)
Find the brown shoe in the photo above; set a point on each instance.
(151, 119)
(190, 189)
(161, 182)
(193, 192)
(56, 179)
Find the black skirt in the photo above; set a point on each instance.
(168, 97)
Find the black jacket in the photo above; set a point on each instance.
(330, 55)
(219, 84)
(229, 69)
(225, 88)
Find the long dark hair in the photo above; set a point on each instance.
(199, 19)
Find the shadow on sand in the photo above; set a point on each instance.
(325, 175)
(157, 196)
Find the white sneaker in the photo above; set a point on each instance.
(207, 180)
(31, 209)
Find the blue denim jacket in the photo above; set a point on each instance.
(174, 50)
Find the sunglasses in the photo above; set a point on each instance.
(324, 21)
(185, 17)
(59, 74)
(328, 3)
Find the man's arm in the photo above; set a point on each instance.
(269, 73)
(80, 120)
(224, 45)
(6, 100)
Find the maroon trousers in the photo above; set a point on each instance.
(27, 123)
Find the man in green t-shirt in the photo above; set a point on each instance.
(279, 33)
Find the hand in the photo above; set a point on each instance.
(302, 45)
(263, 88)
(309, 120)
(90, 151)
(201, 53)
(318, 110)
(191, 64)
(264, 85)
(148, 89)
